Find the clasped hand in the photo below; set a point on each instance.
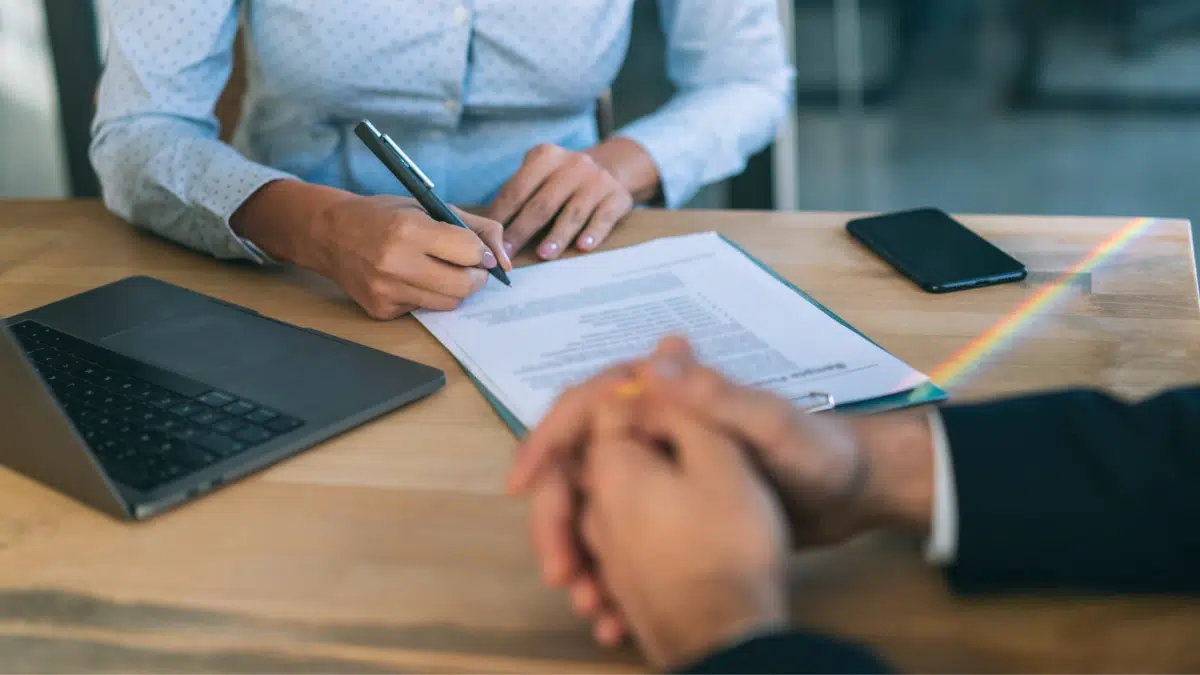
(665, 499)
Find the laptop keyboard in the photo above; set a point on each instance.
(147, 426)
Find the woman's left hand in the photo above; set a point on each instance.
(574, 193)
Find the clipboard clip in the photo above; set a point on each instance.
(814, 402)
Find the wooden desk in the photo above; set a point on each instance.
(394, 548)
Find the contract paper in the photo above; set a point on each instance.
(564, 321)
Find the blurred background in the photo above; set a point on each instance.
(1084, 107)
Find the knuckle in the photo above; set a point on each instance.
(582, 160)
(617, 208)
(541, 150)
(403, 226)
(466, 246)
(510, 193)
(574, 214)
(491, 228)
(540, 210)
(388, 259)
(378, 290)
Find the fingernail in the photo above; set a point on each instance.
(508, 248)
(587, 243)
(489, 259)
(548, 249)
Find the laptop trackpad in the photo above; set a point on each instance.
(224, 348)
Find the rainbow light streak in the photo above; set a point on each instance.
(1010, 326)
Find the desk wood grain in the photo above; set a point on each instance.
(393, 548)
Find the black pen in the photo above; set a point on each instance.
(416, 182)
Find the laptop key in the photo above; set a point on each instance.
(260, 416)
(282, 424)
(93, 374)
(147, 392)
(188, 409)
(163, 399)
(239, 408)
(169, 471)
(131, 474)
(208, 417)
(228, 426)
(190, 455)
(125, 429)
(146, 416)
(85, 415)
(73, 365)
(166, 424)
(112, 447)
(253, 435)
(109, 401)
(222, 445)
(188, 433)
(25, 329)
(216, 399)
(126, 410)
(109, 380)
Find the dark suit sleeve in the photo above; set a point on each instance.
(791, 653)
(1077, 491)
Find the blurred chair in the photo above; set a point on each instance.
(71, 28)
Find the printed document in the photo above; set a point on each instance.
(564, 321)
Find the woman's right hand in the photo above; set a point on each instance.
(391, 257)
(385, 252)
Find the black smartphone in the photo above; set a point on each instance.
(935, 251)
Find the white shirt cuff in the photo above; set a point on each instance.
(942, 545)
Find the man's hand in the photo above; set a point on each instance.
(836, 476)
(391, 257)
(579, 195)
(689, 542)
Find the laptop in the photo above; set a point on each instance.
(139, 396)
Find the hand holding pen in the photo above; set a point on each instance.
(421, 188)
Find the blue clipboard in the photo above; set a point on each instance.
(921, 395)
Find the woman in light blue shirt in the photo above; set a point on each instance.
(493, 99)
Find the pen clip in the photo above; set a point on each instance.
(820, 402)
(407, 162)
